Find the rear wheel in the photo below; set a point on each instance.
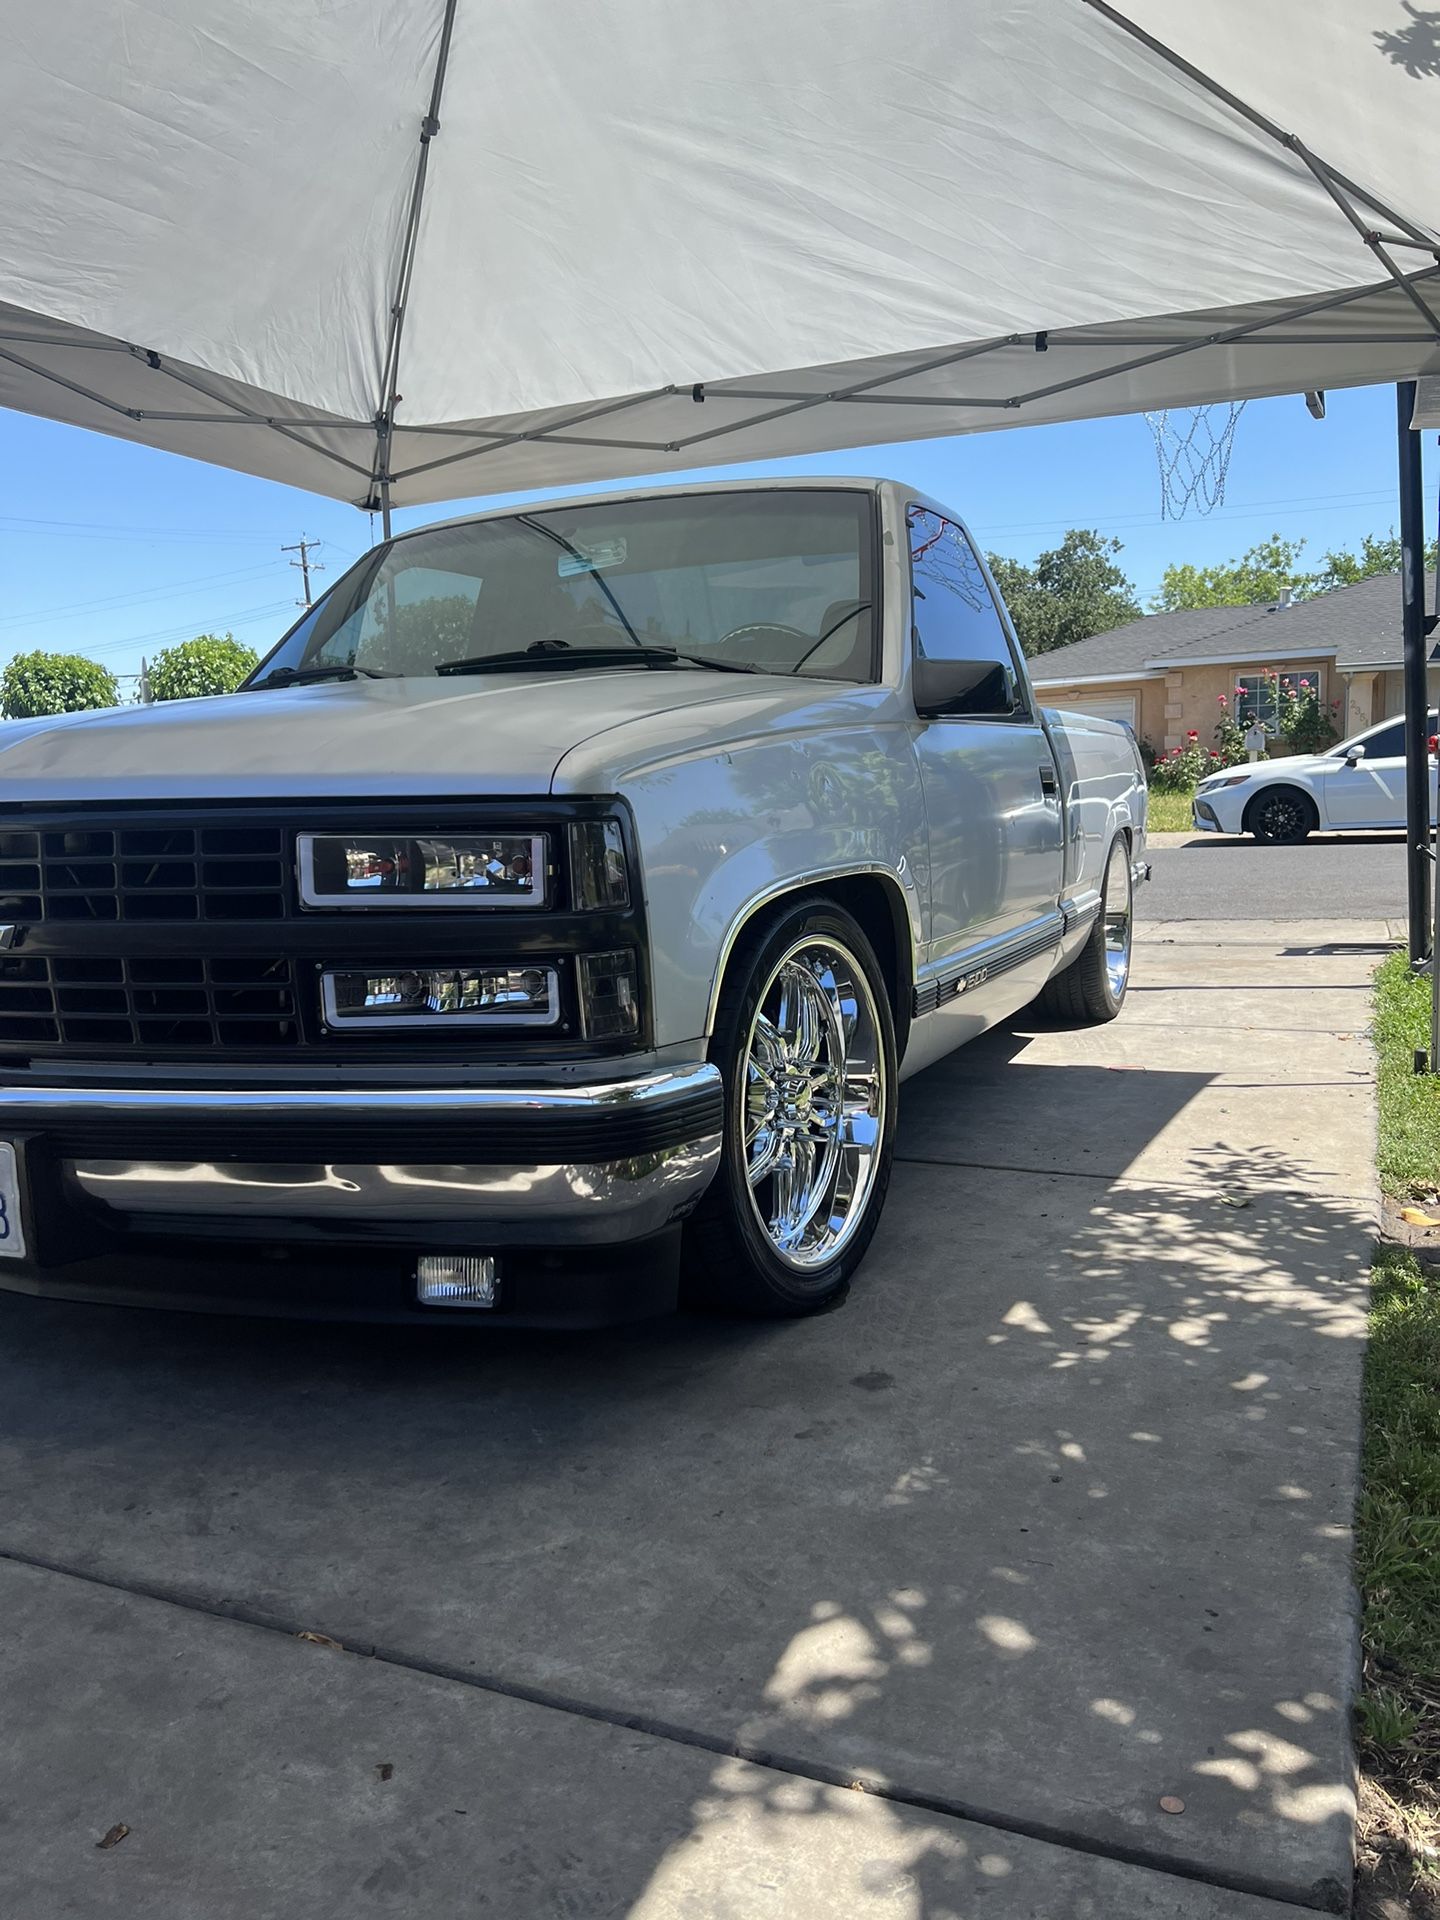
(1091, 989)
(805, 1039)
(1281, 815)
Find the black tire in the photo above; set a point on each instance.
(1091, 989)
(730, 1262)
(1281, 816)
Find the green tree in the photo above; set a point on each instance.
(1258, 575)
(41, 683)
(1379, 553)
(210, 663)
(1071, 591)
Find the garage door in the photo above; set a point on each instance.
(1104, 707)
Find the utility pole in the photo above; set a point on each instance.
(146, 695)
(306, 565)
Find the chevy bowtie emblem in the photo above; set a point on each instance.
(8, 936)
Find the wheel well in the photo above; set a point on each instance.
(880, 909)
(1268, 792)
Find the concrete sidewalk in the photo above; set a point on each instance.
(1049, 1523)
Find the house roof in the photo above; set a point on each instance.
(1358, 627)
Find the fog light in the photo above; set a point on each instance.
(457, 1280)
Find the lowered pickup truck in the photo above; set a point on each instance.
(544, 931)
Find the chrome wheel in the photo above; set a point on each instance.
(1118, 921)
(814, 1102)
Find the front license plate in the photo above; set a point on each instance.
(12, 1226)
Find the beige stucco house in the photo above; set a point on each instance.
(1164, 674)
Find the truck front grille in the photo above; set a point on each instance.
(94, 1004)
(151, 872)
(165, 933)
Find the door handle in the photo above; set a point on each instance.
(1048, 782)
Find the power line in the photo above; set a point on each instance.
(246, 616)
(141, 597)
(109, 530)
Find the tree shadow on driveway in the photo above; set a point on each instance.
(1048, 1523)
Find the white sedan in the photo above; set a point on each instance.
(1358, 786)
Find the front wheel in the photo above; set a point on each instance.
(805, 1039)
(1282, 816)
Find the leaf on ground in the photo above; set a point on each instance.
(321, 1640)
(113, 1838)
(384, 1771)
(1234, 1199)
(1417, 1217)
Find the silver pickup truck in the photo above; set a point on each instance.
(544, 931)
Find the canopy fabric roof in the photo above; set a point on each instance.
(418, 249)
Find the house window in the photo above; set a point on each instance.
(1257, 696)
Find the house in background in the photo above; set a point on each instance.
(1164, 674)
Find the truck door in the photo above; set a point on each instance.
(989, 777)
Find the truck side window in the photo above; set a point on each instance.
(955, 616)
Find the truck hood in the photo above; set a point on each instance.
(414, 737)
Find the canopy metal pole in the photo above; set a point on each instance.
(1417, 699)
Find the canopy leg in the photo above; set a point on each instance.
(1417, 698)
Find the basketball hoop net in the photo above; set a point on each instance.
(1193, 447)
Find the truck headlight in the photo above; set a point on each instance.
(415, 870)
(486, 995)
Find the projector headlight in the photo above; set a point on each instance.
(489, 995)
(444, 870)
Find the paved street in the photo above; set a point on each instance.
(1046, 1528)
(1347, 876)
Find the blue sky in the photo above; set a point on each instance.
(117, 551)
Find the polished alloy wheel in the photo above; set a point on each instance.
(1118, 921)
(814, 1102)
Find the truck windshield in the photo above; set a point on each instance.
(778, 581)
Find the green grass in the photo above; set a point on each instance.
(1409, 1101)
(1397, 1554)
(1397, 1520)
(1170, 812)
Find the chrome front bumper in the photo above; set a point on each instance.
(562, 1165)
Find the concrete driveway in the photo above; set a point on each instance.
(1045, 1530)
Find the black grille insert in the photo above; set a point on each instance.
(148, 1003)
(168, 873)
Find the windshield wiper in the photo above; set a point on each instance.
(298, 676)
(559, 653)
(549, 533)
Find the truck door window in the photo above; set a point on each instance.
(954, 612)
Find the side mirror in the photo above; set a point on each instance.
(953, 689)
(1354, 755)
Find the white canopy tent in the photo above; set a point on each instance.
(397, 251)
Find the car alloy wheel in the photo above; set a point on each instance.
(1281, 816)
(815, 1102)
